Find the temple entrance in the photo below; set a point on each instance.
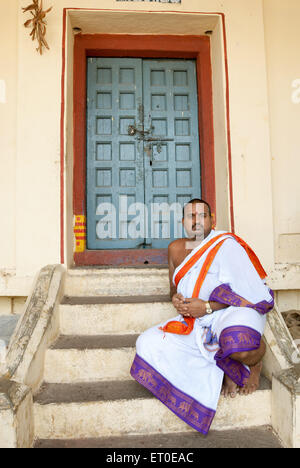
(143, 160)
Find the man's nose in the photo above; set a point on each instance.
(199, 219)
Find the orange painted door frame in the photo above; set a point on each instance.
(140, 46)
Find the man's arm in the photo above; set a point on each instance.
(195, 307)
(173, 289)
(225, 295)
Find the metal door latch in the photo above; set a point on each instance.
(146, 136)
(141, 134)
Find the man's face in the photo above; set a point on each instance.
(197, 221)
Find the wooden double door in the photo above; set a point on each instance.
(143, 160)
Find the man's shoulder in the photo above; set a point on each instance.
(176, 245)
(231, 242)
(232, 250)
(176, 252)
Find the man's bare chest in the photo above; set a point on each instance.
(180, 257)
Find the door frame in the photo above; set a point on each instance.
(138, 46)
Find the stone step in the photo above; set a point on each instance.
(254, 437)
(120, 408)
(113, 315)
(90, 358)
(117, 282)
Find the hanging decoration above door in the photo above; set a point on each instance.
(37, 23)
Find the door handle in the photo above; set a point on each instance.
(146, 136)
(141, 134)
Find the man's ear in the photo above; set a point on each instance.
(213, 221)
(184, 232)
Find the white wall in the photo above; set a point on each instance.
(8, 111)
(282, 32)
(258, 87)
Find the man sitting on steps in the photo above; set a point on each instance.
(214, 345)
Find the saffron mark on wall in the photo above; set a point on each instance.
(80, 233)
(2, 92)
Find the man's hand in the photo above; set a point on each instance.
(178, 300)
(191, 307)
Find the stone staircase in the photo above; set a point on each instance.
(88, 398)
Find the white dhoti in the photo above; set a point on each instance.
(185, 372)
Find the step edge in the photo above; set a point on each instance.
(115, 300)
(120, 400)
(83, 338)
(89, 441)
(124, 382)
(122, 269)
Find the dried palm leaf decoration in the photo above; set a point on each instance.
(37, 23)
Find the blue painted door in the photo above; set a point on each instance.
(143, 159)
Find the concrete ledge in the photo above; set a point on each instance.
(284, 276)
(16, 415)
(286, 406)
(281, 349)
(37, 329)
(15, 286)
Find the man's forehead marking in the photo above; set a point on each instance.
(198, 205)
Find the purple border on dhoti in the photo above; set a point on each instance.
(224, 295)
(236, 339)
(184, 406)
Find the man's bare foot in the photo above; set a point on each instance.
(229, 387)
(252, 383)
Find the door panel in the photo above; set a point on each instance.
(155, 163)
(114, 160)
(170, 104)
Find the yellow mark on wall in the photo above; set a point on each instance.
(80, 233)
